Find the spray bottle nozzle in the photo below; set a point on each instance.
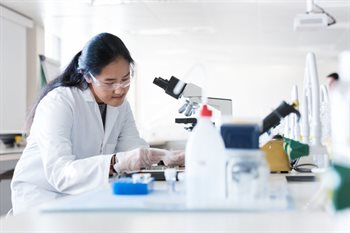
(205, 111)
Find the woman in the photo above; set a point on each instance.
(83, 130)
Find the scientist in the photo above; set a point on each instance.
(332, 79)
(82, 130)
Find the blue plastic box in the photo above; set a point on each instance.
(126, 186)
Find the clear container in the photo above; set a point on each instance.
(247, 177)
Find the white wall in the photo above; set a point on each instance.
(13, 70)
(35, 46)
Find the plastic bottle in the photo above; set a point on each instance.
(205, 164)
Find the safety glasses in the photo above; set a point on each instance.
(112, 86)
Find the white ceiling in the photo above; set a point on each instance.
(180, 27)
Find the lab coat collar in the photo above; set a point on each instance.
(111, 116)
(88, 96)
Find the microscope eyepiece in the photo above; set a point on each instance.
(274, 118)
(163, 83)
(170, 85)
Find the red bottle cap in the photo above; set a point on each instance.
(205, 111)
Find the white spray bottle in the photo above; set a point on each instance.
(205, 164)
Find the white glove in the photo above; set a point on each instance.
(174, 158)
(138, 158)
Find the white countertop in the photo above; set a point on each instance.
(178, 222)
(10, 154)
(308, 216)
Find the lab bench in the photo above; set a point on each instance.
(8, 161)
(306, 216)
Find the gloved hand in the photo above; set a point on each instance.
(138, 158)
(174, 158)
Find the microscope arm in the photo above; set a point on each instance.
(223, 105)
(194, 94)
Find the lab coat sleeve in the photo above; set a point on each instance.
(129, 137)
(52, 129)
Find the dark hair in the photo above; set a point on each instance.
(99, 51)
(334, 76)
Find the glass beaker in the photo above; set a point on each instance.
(247, 177)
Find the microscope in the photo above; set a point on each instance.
(193, 97)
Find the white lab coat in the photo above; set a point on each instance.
(68, 150)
